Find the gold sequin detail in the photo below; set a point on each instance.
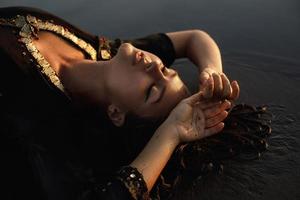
(105, 54)
(29, 26)
(45, 25)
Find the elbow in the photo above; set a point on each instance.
(200, 34)
(201, 38)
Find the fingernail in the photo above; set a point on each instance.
(222, 125)
(226, 113)
(228, 102)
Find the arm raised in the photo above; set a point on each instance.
(199, 47)
(202, 50)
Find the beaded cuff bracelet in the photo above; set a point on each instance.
(134, 182)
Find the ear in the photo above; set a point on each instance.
(116, 115)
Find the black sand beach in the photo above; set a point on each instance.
(260, 46)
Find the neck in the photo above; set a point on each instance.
(85, 80)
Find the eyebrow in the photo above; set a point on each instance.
(160, 96)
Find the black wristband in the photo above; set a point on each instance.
(134, 182)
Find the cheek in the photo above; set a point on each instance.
(128, 91)
(176, 84)
(174, 94)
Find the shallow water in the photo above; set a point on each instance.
(260, 48)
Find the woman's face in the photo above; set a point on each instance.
(139, 83)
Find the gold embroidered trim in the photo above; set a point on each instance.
(29, 26)
(43, 64)
(104, 48)
(65, 33)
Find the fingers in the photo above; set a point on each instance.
(204, 76)
(216, 119)
(213, 130)
(227, 90)
(235, 90)
(208, 88)
(216, 109)
(218, 86)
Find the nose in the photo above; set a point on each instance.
(126, 49)
(126, 45)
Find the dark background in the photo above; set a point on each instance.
(260, 46)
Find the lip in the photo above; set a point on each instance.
(171, 73)
(174, 73)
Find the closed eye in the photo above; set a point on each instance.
(148, 92)
(154, 94)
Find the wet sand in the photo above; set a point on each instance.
(260, 46)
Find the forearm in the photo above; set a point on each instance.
(151, 161)
(199, 47)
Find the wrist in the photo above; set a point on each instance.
(210, 69)
(167, 132)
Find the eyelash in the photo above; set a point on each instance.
(164, 70)
(149, 91)
(151, 86)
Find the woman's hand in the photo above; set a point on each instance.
(217, 86)
(195, 118)
(192, 119)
